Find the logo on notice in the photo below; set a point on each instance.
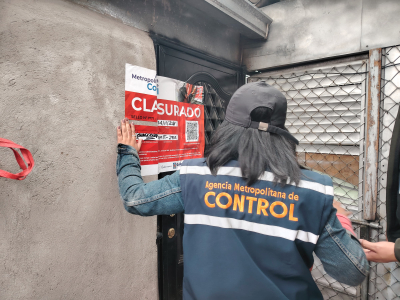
(134, 76)
(175, 165)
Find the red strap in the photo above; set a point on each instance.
(27, 156)
(346, 223)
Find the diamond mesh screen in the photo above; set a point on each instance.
(326, 115)
(384, 281)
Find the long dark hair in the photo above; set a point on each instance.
(256, 151)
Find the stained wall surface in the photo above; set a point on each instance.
(176, 20)
(64, 233)
(308, 30)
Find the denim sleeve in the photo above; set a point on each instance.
(159, 197)
(341, 254)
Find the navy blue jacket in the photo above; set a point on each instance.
(256, 247)
(250, 242)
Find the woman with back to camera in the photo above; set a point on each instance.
(253, 217)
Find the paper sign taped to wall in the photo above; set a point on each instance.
(180, 123)
(177, 110)
(140, 93)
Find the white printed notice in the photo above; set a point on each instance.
(140, 101)
(178, 113)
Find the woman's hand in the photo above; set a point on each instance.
(126, 135)
(381, 252)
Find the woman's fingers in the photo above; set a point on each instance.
(371, 256)
(368, 245)
(123, 129)
(379, 252)
(128, 129)
(369, 252)
(126, 132)
(126, 135)
(119, 134)
(139, 144)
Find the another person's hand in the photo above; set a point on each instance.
(340, 209)
(381, 252)
(126, 135)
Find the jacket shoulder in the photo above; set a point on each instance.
(316, 177)
(194, 162)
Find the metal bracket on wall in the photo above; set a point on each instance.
(364, 234)
(366, 224)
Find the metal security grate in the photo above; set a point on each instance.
(384, 281)
(326, 114)
(214, 110)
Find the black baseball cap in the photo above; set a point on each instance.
(259, 94)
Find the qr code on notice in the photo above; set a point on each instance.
(192, 131)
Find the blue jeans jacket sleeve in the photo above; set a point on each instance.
(341, 254)
(160, 197)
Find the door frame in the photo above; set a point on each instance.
(169, 249)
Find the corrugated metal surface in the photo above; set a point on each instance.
(324, 108)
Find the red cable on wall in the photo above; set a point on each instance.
(26, 169)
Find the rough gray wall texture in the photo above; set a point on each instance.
(175, 20)
(304, 30)
(63, 231)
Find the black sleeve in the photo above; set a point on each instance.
(392, 188)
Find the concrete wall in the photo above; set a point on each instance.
(305, 30)
(176, 20)
(63, 231)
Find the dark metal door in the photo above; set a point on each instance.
(220, 80)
